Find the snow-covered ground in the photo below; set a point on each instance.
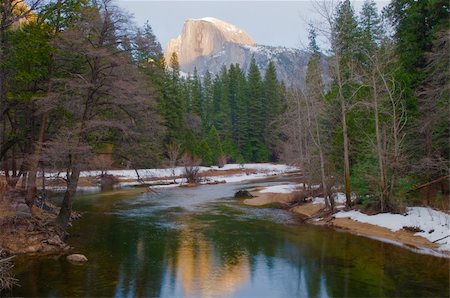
(289, 188)
(339, 199)
(258, 171)
(435, 224)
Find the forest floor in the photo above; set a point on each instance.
(420, 229)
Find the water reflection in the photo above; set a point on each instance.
(193, 244)
(200, 272)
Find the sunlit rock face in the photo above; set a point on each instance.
(203, 37)
(207, 44)
(20, 8)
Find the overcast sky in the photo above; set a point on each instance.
(276, 23)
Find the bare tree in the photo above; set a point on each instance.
(173, 153)
(339, 28)
(314, 99)
(433, 125)
(103, 98)
(191, 165)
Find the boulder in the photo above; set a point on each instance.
(243, 193)
(76, 258)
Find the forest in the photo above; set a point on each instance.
(78, 77)
(78, 80)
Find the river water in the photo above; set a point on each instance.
(199, 242)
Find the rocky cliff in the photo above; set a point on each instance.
(203, 37)
(209, 43)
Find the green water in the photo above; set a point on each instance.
(199, 243)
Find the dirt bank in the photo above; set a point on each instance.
(313, 214)
(262, 199)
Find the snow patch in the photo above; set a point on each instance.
(221, 24)
(289, 188)
(258, 171)
(435, 224)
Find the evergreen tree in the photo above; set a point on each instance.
(247, 151)
(370, 26)
(190, 143)
(207, 102)
(272, 100)
(242, 124)
(205, 153)
(195, 93)
(214, 144)
(230, 150)
(273, 107)
(261, 154)
(171, 106)
(223, 119)
(346, 56)
(312, 38)
(233, 81)
(346, 37)
(256, 112)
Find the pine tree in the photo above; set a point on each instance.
(272, 100)
(233, 78)
(256, 113)
(205, 153)
(346, 37)
(195, 93)
(207, 102)
(247, 151)
(272, 106)
(312, 38)
(171, 106)
(190, 144)
(223, 119)
(214, 144)
(345, 47)
(261, 154)
(242, 107)
(230, 150)
(370, 26)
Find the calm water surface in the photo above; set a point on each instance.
(198, 242)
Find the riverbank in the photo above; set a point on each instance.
(25, 231)
(173, 177)
(420, 229)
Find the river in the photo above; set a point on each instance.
(200, 242)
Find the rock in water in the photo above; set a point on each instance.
(77, 258)
(243, 194)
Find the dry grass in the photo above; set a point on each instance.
(5, 207)
(6, 280)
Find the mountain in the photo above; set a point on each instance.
(210, 43)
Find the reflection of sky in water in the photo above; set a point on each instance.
(197, 242)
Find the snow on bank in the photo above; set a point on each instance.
(435, 224)
(339, 198)
(266, 168)
(288, 188)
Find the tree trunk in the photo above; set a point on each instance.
(379, 148)
(348, 201)
(34, 163)
(66, 207)
(347, 186)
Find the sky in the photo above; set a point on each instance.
(275, 23)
